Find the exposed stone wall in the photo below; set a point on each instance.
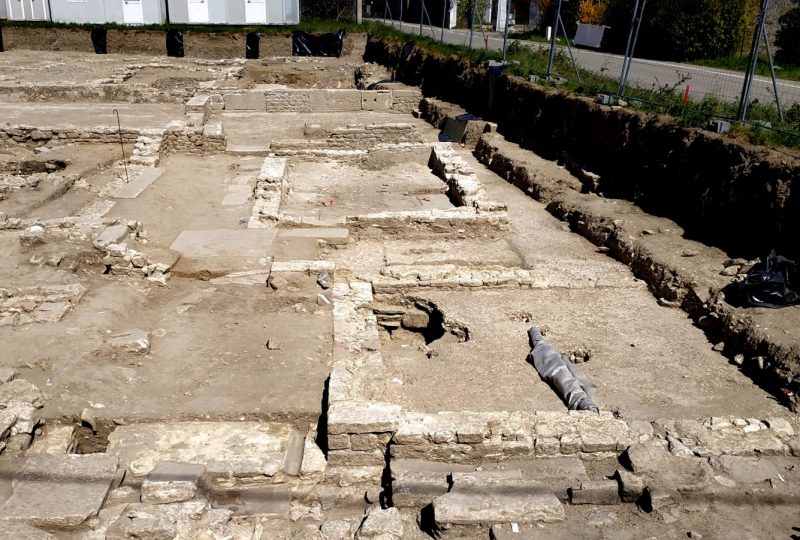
(128, 93)
(352, 137)
(323, 100)
(183, 139)
(739, 197)
(11, 134)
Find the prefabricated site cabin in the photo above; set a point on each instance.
(109, 11)
(234, 11)
(3, 10)
(27, 10)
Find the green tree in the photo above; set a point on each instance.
(788, 37)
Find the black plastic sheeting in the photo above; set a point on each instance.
(100, 40)
(175, 43)
(773, 283)
(1, 39)
(252, 45)
(561, 373)
(305, 44)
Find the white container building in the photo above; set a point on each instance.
(234, 11)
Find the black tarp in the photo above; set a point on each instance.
(305, 44)
(1, 39)
(100, 40)
(252, 45)
(773, 283)
(175, 43)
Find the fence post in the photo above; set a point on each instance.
(553, 35)
(505, 33)
(744, 102)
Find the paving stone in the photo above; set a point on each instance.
(135, 187)
(224, 243)
(745, 470)
(363, 417)
(601, 492)
(60, 491)
(241, 449)
(111, 235)
(334, 236)
(56, 440)
(22, 531)
(268, 500)
(382, 524)
(507, 502)
(170, 482)
(415, 483)
(661, 468)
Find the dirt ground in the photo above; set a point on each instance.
(241, 325)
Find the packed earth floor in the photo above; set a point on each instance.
(276, 301)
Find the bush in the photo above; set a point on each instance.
(788, 37)
(327, 9)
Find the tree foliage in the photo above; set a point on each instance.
(788, 38)
(592, 11)
(686, 29)
(327, 9)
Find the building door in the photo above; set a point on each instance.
(132, 12)
(198, 11)
(255, 11)
(16, 11)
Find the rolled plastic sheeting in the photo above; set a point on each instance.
(305, 44)
(569, 381)
(175, 43)
(100, 40)
(251, 45)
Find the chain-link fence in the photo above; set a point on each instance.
(684, 53)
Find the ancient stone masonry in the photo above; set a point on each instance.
(33, 136)
(38, 304)
(110, 93)
(268, 192)
(183, 139)
(276, 98)
(461, 180)
(121, 260)
(350, 138)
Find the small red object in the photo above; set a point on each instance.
(686, 94)
(486, 40)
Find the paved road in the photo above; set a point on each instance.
(703, 81)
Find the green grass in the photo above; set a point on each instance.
(739, 63)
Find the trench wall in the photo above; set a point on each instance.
(153, 42)
(723, 192)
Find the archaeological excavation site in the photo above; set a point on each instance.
(386, 295)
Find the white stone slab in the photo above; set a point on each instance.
(136, 186)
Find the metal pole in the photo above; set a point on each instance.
(122, 146)
(569, 48)
(444, 14)
(633, 48)
(772, 72)
(505, 33)
(627, 48)
(401, 14)
(748, 78)
(385, 7)
(553, 39)
(472, 23)
(421, 15)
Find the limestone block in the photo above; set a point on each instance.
(247, 101)
(59, 491)
(331, 100)
(631, 486)
(134, 341)
(111, 235)
(507, 502)
(363, 417)
(171, 482)
(382, 524)
(376, 100)
(596, 492)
